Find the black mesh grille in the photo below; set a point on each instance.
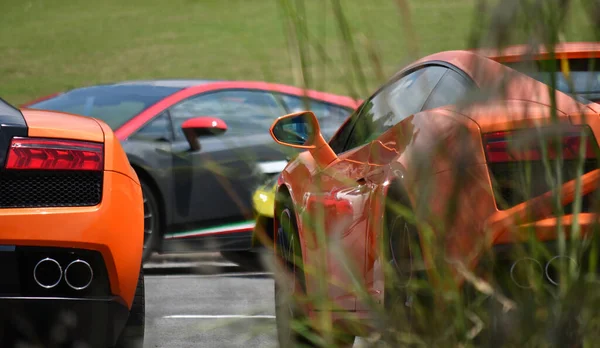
(516, 182)
(33, 188)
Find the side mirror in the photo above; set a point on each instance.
(202, 126)
(301, 130)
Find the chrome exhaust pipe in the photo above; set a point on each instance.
(79, 275)
(47, 273)
(525, 272)
(552, 268)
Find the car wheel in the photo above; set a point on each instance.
(402, 253)
(133, 333)
(289, 282)
(152, 235)
(290, 287)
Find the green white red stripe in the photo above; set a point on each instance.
(244, 226)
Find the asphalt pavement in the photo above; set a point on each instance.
(205, 301)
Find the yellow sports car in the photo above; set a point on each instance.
(263, 202)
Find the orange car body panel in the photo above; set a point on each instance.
(47, 124)
(356, 182)
(565, 50)
(114, 227)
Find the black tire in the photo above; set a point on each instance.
(290, 285)
(403, 255)
(152, 221)
(133, 333)
(288, 290)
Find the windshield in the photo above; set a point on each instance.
(113, 104)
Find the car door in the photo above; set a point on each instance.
(150, 149)
(343, 190)
(214, 185)
(452, 87)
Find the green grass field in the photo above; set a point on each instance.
(50, 46)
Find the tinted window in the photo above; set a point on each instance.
(113, 104)
(394, 103)
(329, 115)
(244, 112)
(157, 129)
(449, 91)
(339, 140)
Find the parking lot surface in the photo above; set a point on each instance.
(208, 302)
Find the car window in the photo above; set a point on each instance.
(113, 104)
(340, 138)
(582, 81)
(329, 115)
(244, 112)
(157, 129)
(451, 89)
(402, 98)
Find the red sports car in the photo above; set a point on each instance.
(443, 121)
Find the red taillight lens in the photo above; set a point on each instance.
(498, 147)
(54, 154)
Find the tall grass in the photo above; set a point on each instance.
(487, 309)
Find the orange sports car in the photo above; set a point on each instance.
(445, 120)
(71, 233)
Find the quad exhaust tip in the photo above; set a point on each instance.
(553, 265)
(79, 275)
(47, 273)
(526, 271)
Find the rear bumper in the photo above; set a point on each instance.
(547, 229)
(478, 227)
(114, 228)
(512, 225)
(46, 320)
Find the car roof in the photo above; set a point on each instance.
(490, 73)
(177, 83)
(481, 66)
(568, 50)
(199, 85)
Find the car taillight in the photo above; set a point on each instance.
(499, 149)
(54, 154)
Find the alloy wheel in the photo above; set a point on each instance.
(148, 221)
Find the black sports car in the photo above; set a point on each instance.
(200, 148)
